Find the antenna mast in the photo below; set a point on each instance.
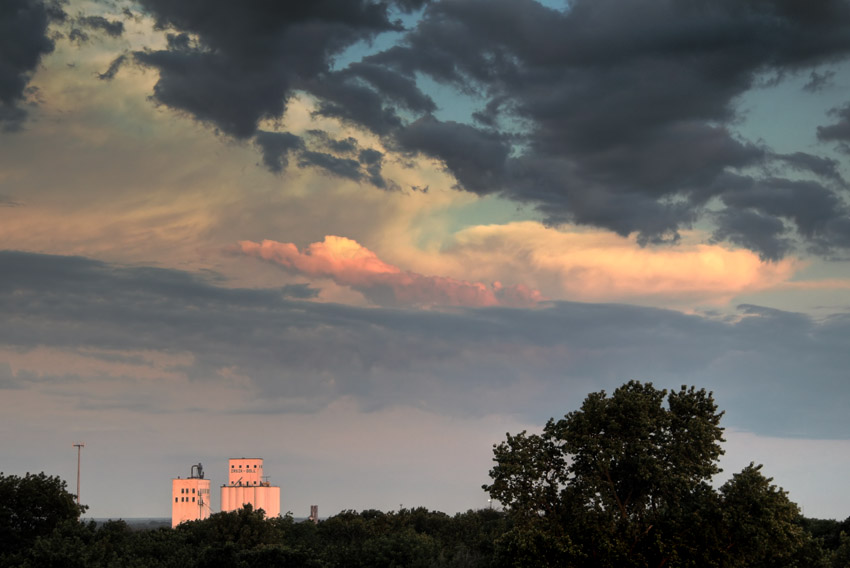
(79, 446)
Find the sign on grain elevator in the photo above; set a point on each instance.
(245, 471)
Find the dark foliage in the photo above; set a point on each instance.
(32, 507)
(625, 481)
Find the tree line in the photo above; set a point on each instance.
(621, 482)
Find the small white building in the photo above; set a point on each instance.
(246, 484)
(190, 497)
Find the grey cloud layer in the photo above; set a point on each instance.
(616, 113)
(776, 372)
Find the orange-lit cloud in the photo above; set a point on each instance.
(348, 263)
(596, 266)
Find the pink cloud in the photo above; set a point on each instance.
(348, 263)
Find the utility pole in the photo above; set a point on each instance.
(79, 446)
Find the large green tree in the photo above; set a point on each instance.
(32, 506)
(625, 481)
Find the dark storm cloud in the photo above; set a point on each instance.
(627, 93)
(347, 145)
(474, 156)
(618, 114)
(11, 117)
(113, 68)
(816, 212)
(351, 101)
(819, 81)
(24, 39)
(250, 54)
(632, 100)
(78, 36)
(307, 354)
(217, 90)
(372, 161)
(411, 5)
(112, 28)
(399, 89)
(840, 131)
(370, 95)
(827, 168)
(321, 151)
(342, 167)
(276, 147)
(99, 23)
(754, 230)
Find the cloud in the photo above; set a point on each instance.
(597, 266)
(24, 40)
(113, 69)
(276, 147)
(839, 131)
(755, 231)
(348, 263)
(476, 157)
(352, 102)
(300, 291)
(630, 128)
(774, 372)
(317, 149)
(112, 28)
(372, 160)
(817, 212)
(342, 167)
(6, 201)
(237, 64)
(827, 168)
(630, 124)
(370, 95)
(819, 81)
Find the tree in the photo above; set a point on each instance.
(32, 506)
(243, 529)
(761, 525)
(624, 481)
(840, 557)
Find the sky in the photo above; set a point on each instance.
(363, 240)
